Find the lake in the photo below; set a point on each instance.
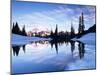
(52, 56)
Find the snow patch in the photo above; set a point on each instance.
(89, 38)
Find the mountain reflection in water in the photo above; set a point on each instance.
(53, 43)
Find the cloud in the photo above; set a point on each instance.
(61, 15)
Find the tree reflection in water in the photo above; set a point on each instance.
(53, 43)
(72, 46)
(16, 49)
(81, 49)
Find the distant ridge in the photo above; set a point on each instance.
(90, 30)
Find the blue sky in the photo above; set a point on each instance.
(45, 16)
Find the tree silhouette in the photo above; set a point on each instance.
(56, 30)
(72, 31)
(16, 30)
(51, 34)
(79, 29)
(13, 28)
(81, 24)
(23, 31)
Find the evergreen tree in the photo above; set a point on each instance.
(56, 30)
(66, 34)
(23, 31)
(72, 31)
(17, 29)
(13, 28)
(79, 29)
(83, 22)
(51, 33)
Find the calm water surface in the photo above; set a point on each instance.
(49, 56)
